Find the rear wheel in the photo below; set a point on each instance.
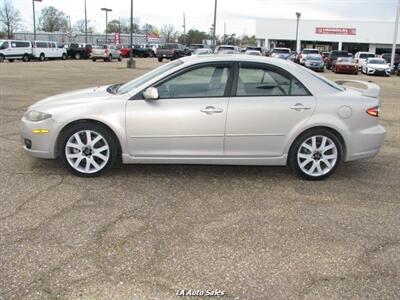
(26, 58)
(160, 59)
(316, 154)
(10, 60)
(1, 58)
(88, 149)
(64, 56)
(42, 57)
(119, 58)
(77, 55)
(93, 59)
(109, 58)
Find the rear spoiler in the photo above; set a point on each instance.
(370, 89)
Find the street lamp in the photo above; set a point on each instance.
(106, 10)
(215, 25)
(86, 24)
(131, 64)
(298, 15)
(396, 28)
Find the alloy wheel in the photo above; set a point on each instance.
(87, 151)
(317, 155)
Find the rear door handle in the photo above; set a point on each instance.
(300, 106)
(211, 110)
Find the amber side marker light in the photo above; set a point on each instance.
(40, 131)
(373, 111)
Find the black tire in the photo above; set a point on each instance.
(26, 57)
(293, 160)
(77, 55)
(42, 57)
(93, 59)
(160, 59)
(119, 58)
(64, 56)
(1, 58)
(105, 132)
(110, 58)
(11, 60)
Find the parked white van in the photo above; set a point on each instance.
(47, 49)
(14, 49)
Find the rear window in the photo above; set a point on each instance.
(17, 44)
(310, 51)
(340, 54)
(366, 55)
(41, 45)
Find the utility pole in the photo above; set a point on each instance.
(85, 24)
(184, 29)
(298, 15)
(34, 20)
(396, 30)
(106, 10)
(224, 32)
(131, 64)
(215, 26)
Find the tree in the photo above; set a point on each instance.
(122, 26)
(194, 36)
(80, 26)
(249, 40)
(169, 33)
(51, 19)
(148, 28)
(10, 18)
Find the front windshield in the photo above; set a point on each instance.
(135, 83)
(377, 61)
(3, 44)
(314, 57)
(281, 50)
(344, 60)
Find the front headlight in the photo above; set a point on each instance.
(36, 116)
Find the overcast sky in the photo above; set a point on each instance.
(239, 15)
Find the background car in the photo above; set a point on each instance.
(279, 50)
(43, 50)
(314, 62)
(79, 51)
(184, 112)
(361, 57)
(15, 49)
(227, 49)
(202, 51)
(105, 52)
(305, 52)
(346, 65)
(388, 58)
(333, 55)
(376, 66)
(170, 51)
(143, 51)
(252, 52)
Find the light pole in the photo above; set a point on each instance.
(396, 29)
(215, 25)
(34, 18)
(106, 10)
(85, 24)
(131, 64)
(298, 15)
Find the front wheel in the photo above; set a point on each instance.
(316, 154)
(64, 56)
(26, 58)
(1, 58)
(88, 149)
(160, 59)
(41, 57)
(93, 59)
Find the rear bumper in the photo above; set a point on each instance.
(365, 143)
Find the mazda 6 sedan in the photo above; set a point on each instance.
(228, 109)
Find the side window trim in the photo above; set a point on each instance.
(228, 88)
(268, 67)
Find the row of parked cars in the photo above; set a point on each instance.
(341, 61)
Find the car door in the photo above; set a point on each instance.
(266, 106)
(188, 119)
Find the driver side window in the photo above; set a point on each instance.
(207, 81)
(257, 81)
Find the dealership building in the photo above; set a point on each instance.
(327, 35)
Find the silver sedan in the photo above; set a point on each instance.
(229, 109)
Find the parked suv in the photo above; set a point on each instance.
(333, 55)
(105, 52)
(361, 57)
(45, 49)
(170, 51)
(305, 52)
(13, 49)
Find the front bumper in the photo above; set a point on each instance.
(317, 68)
(40, 145)
(378, 72)
(347, 70)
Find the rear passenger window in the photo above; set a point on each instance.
(258, 81)
(41, 45)
(20, 44)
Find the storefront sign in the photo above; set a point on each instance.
(153, 38)
(340, 31)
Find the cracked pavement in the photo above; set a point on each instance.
(145, 231)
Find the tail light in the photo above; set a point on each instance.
(374, 111)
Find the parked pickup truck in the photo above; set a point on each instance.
(170, 51)
(79, 51)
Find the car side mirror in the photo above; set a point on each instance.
(151, 93)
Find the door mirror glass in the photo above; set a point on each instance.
(151, 93)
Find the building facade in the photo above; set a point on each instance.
(327, 35)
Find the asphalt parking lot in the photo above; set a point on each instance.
(146, 231)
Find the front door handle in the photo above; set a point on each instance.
(211, 110)
(300, 106)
